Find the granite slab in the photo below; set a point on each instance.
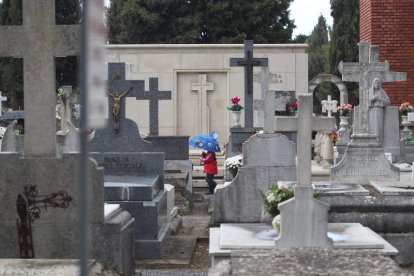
(131, 187)
(259, 236)
(325, 187)
(394, 187)
(110, 209)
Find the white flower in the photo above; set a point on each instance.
(2, 131)
(234, 162)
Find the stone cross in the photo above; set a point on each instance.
(264, 78)
(363, 72)
(248, 62)
(2, 99)
(329, 106)
(153, 95)
(304, 219)
(202, 87)
(270, 103)
(38, 41)
(118, 85)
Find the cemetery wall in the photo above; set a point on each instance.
(177, 67)
(390, 24)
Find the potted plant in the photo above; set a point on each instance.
(235, 109)
(233, 164)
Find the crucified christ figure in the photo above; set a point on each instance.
(117, 106)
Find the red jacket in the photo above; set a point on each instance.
(210, 162)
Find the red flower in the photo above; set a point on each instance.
(235, 100)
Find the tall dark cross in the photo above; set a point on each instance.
(248, 62)
(118, 90)
(153, 95)
(38, 41)
(363, 72)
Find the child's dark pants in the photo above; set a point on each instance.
(211, 183)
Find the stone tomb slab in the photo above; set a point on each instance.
(325, 187)
(131, 187)
(258, 236)
(394, 187)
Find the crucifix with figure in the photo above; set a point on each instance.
(118, 90)
(248, 62)
(153, 96)
(304, 219)
(38, 41)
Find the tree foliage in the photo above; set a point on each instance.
(11, 69)
(345, 38)
(318, 51)
(199, 21)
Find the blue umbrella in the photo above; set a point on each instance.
(206, 142)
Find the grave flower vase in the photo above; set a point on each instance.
(343, 124)
(236, 118)
(405, 123)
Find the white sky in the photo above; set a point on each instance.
(305, 13)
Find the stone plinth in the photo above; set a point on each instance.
(364, 160)
(268, 158)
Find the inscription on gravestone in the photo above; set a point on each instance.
(112, 163)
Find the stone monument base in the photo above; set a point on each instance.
(364, 160)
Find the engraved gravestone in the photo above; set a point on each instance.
(364, 158)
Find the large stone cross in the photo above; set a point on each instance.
(202, 87)
(120, 89)
(248, 62)
(2, 99)
(363, 72)
(264, 78)
(304, 219)
(153, 95)
(38, 41)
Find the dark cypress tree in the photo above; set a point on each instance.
(318, 51)
(199, 21)
(345, 38)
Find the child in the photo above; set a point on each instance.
(210, 168)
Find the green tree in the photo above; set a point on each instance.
(344, 40)
(264, 21)
(199, 21)
(300, 38)
(318, 51)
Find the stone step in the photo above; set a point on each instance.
(201, 183)
(177, 179)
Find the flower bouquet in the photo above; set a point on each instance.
(404, 108)
(235, 105)
(292, 105)
(233, 164)
(275, 195)
(345, 109)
